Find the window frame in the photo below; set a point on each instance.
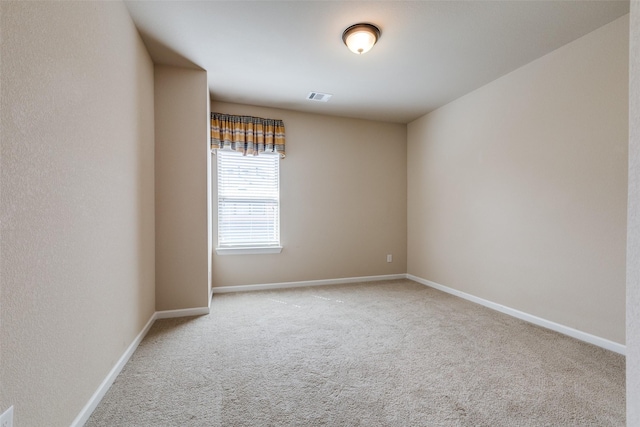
(249, 248)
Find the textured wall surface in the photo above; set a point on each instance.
(77, 202)
(182, 161)
(343, 202)
(633, 232)
(517, 192)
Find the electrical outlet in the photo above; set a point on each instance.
(6, 419)
(389, 259)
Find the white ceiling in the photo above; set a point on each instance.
(273, 53)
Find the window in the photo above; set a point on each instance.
(248, 203)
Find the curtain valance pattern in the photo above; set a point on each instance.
(249, 135)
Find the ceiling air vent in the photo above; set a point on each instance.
(317, 96)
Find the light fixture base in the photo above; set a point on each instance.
(360, 38)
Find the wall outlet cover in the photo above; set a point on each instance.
(6, 419)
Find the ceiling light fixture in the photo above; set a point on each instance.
(360, 38)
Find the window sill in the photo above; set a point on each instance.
(249, 251)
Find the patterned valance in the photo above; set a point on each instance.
(250, 135)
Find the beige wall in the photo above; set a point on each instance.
(517, 191)
(182, 164)
(77, 203)
(343, 202)
(633, 236)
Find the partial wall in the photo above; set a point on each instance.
(182, 188)
(77, 202)
(633, 232)
(517, 192)
(343, 202)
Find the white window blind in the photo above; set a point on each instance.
(248, 200)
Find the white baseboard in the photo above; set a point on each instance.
(93, 402)
(566, 330)
(95, 399)
(284, 285)
(88, 409)
(185, 312)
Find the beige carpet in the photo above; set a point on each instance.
(390, 353)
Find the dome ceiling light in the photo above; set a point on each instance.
(360, 38)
